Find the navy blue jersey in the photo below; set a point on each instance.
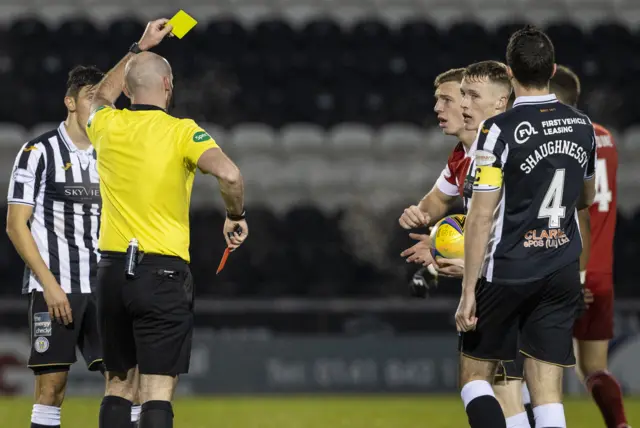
(545, 150)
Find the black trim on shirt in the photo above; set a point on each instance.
(142, 107)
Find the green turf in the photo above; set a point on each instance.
(305, 412)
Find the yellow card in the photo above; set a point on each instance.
(182, 23)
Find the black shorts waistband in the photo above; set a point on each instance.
(149, 257)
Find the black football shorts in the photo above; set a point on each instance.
(148, 320)
(53, 345)
(537, 316)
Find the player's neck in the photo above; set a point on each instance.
(78, 136)
(521, 91)
(467, 138)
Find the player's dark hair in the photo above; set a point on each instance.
(511, 100)
(494, 71)
(453, 75)
(81, 76)
(531, 56)
(566, 85)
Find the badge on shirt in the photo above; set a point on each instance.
(484, 158)
(93, 114)
(201, 136)
(21, 175)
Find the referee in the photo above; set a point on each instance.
(147, 161)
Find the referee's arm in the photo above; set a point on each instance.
(218, 164)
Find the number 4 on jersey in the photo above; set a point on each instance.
(551, 206)
(603, 193)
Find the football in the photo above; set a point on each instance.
(447, 237)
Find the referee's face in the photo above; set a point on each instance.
(480, 101)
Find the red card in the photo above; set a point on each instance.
(223, 261)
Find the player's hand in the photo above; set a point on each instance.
(466, 319)
(453, 268)
(235, 233)
(154, 33)
(588, 296)
(420, 253)
(58, 304)
(413, 217)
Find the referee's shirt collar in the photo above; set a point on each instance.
(62, 130)
(537, 99)
(142, 107)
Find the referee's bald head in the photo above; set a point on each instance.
(148, 75)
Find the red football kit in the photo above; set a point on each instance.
(597, 322)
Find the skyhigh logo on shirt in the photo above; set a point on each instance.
(201, 136)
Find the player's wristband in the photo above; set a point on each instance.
(583, 276)
(135, 48)
(236, 217)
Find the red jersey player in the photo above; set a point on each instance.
(594, 329)
(483, 93)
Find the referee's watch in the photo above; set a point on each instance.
(236, 217)
(135, 48)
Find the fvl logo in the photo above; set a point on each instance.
(523, 132)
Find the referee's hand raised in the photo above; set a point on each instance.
(154, 33)
(235, 232)
(58, 304)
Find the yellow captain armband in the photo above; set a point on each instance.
(488, 178)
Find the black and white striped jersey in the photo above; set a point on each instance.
(545, 150)
(61, 183)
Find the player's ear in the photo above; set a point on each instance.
(126, 92)
(555, 68)
(509, 72)
(70, 104)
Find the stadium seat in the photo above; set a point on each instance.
(351, 140)
(12, 137)
(253, 138)
(303, 138)
(400, 140)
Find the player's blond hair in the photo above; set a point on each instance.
(453, 75)
(566, 85)
(494, 71)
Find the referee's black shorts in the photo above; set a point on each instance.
(148, 320)
(535, 318)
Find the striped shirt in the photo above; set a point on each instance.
(61, 182)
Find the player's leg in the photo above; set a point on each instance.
(526, 400)
(547, 326)
(163, 329)
(118, 345)
(53, 350)
(592, 333)
(508, 389)
(494, 339)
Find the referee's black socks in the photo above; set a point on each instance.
(156, 414)
(483, 410)
(115, 412)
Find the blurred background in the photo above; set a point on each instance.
(327, 107)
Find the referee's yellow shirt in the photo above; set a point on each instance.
(147, 161)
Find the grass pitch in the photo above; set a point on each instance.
(306, 412)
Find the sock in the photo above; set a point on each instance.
(550, 416)
(607, 394)
(115, 412)
(481, 405)
(135, 413)
(526, 400)
(518, 421)
(45, 416)
(156, 414)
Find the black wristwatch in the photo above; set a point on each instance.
(135, 48)
(236, 217)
